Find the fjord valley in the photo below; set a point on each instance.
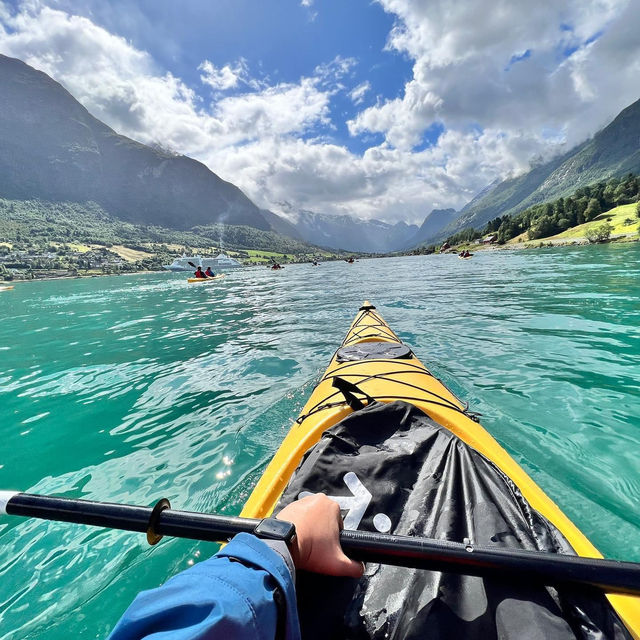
(76, 197)
(319, 320)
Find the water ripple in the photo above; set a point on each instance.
(131, 388)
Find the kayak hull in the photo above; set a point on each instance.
(205, 280)
(387, 380)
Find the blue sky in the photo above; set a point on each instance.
(380, 109)
(280, 41)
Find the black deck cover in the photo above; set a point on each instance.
(395, 470)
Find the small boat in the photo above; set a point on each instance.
(401, 454)
(205, 280)
(6, 288)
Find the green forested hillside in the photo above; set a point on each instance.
(613, 152)
(28, 224)
(552, 218)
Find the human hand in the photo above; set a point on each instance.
(316, 546)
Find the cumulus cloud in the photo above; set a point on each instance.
(226, 77)
(506, 80)
(120, 85)
(283, 109)
(508, 65)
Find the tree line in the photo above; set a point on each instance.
(548, 219)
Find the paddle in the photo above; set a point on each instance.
(195, 267)
(437, 555)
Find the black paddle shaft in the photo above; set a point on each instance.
(169, 522)
(513, 565)
(436, 555)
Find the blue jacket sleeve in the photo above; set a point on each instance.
(231, 595)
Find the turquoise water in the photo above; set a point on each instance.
(133, 388)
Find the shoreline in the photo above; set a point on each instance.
(515, 246)
(546, 243)
(4, 283)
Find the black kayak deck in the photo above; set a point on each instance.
(393, 469)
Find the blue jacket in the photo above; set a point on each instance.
(238, 593)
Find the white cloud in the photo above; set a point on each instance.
(271, 138)
(279, 110)
(308, 4)
(358, 93)
(120, 85)
(331, 73)
(466, 68)
(222, 78)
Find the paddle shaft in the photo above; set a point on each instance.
(423, 553)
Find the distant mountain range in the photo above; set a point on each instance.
(613, 152)
(354, 234)
(347, 232)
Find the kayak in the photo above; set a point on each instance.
(201, 280)
(7, 288)
(401, 454)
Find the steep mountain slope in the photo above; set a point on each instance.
(52, 148)
(280, 225)
(614, 151)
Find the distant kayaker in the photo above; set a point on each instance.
(247, 590)
(199, 273)
(209, 273)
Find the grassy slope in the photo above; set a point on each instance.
(257, 256)
(617, 217)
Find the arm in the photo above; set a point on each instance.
(246, 590)
(235, 594)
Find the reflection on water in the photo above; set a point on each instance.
(133, 388)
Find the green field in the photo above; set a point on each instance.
(258, 256)
(615, 217)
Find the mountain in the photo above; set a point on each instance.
(612, 152)
(433, 223)
(348, 233)
(281, 225)
(53, 149)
